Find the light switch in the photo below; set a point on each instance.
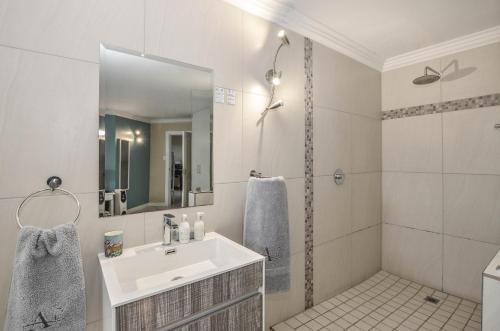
(219, 95)
(231, 97)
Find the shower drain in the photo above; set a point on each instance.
(431, 299)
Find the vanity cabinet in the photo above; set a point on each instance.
(211, 284)
(228, 301)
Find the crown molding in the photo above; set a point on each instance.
(285, 14)
(460, 44)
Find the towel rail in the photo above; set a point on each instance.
(256, 174)
(53, 182)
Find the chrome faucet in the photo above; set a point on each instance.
(170, 229)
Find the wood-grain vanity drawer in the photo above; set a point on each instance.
(243, 316)
(164, 309)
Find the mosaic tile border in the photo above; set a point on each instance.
(482, 101)
(308, 167)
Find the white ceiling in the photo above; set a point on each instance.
(394, 27)
(374, 31)
(151, 89)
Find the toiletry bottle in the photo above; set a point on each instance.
(184, 230)
(199, 226)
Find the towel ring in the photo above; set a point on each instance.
(53, 182)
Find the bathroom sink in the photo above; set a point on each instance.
(146, 270)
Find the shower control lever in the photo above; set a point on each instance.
(339, 176)
(497, 126)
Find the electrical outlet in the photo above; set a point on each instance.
(219, 95)
(231, 97)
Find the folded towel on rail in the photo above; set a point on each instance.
(266, 229)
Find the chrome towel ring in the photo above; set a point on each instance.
(53, 182)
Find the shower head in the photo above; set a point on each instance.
(427, 78)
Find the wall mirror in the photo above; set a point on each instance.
(155, 134)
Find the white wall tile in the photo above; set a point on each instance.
(276, 145)
(206, 33)
(413, 199)
(366, 253)
(49, 121)
(472, 207)
(260, 42)
(398, 90)
(337, 81)
(412, 254)
(332, 209)
(332, 141)
(72, 28)
(412, 144)
(281, 306)
(366, 146)
(296, 214)
(464, 262)
(227, 142)
(366, 200)
(471, 143)
(332, 268)
(471, 73)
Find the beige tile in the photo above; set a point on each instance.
(398, 90)
(366, 200)
(94, 326)
(281, 306)
(72, 28)
(211, 37)
(412, 144)
(332, 209)
(227, 144)
(341, 83)
(296, 210)
(366, 144)
(260, 42)
(471, 73)
(366, 253)
(412, 254)
(49, 122)
(274, 146)
(464, 262)
(332, 141)
(413, 199)
(471, 208)
(470, 141)
(332, 268)
(8, 237)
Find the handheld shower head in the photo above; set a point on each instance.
(427, 78)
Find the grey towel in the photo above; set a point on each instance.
(266, 229)
(47, 289)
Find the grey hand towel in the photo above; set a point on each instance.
(266, 229)
(47, 289)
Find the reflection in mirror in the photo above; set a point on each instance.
(155, 134)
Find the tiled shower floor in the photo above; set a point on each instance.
(387, 302)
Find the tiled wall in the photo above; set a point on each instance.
(49, 60)
(441, 175)
(347, 135)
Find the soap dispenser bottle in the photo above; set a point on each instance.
(199, 226)
(184, 230)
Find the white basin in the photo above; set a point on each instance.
(147, 270)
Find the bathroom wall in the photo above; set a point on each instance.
(347, 135)
(49, 59)
(441, 183)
